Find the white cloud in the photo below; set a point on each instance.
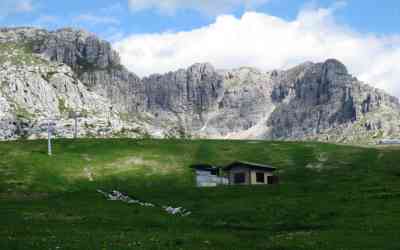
(24, 6)
(212, 7)
(268, 43)
(9, 7)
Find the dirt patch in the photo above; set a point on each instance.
(131, 164)
(86, 157)
(135, 163)
(88, 173)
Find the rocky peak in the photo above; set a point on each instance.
(246, 76)
(79, 49)
(92, 60)
(190, 90)
(334, 66)
(333, 71)
(313, 83)
(202, 68)
(68, 31)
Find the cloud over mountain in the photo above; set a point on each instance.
(267, 42)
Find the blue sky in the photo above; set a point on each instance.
(107, 17)
(157, 36)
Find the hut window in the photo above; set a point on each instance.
(260, 177)
(240, 178)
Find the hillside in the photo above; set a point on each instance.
(82, 73)
(330, 197)
(34, 89)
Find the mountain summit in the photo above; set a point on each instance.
(54, 74)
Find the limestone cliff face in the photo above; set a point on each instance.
(92, 60)
(49, 73)
(34, 89)
(244, 107)
(318, 101)
(180, 101)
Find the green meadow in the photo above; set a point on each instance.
(330, 196)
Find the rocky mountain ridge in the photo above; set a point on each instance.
(313, 101)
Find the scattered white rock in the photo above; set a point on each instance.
(315, 166)
(177, 211)
(118, 196)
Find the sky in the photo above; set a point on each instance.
(157, 36)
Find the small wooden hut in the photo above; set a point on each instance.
(248, 173)
(236, 173)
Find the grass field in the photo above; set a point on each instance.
(330, 196)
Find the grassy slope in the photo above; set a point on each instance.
(348, 199)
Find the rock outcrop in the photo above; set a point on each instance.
(323, 100)
(92, 60)
(315, 101)
(34, 89)
(180, 101)
(53, 73)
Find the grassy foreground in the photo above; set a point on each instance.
(330, 196)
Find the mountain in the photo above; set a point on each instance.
(53, 73)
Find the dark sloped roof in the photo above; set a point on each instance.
(205, 167)
(250, 165)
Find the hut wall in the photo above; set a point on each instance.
(254, 177)
(206, 179)
(239, 170)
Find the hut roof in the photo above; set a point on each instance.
(204, 167)
(250, 165)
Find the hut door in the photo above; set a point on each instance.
(260, 177)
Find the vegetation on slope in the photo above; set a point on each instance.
(330, 196)
(19, 54)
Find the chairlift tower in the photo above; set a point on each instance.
(47, 125)
(50, 129)
(49, 150)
